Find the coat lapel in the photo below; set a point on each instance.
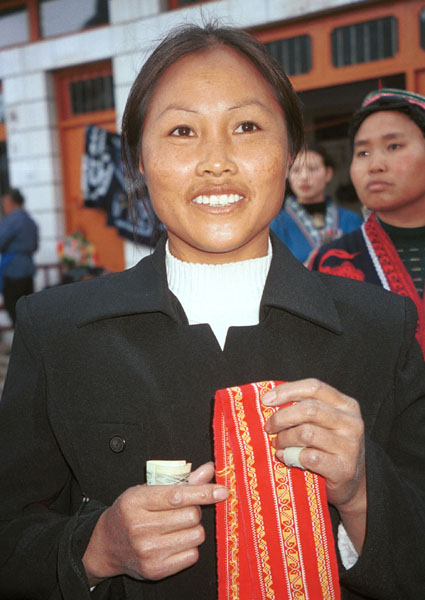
(143, 289)
(290, 286)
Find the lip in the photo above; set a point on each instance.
(218, 197)
(377, 186)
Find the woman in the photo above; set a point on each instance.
(310, 218)
(388, 172)
(109, 373)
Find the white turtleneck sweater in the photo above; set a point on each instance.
(221, 295)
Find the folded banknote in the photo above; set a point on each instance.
(167, 472)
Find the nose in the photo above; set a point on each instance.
(376, 162)
(216, 160)
(303, 174)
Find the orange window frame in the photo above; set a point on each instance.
(410, 58)
(63, 78)
(33, 20)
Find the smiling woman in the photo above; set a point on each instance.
(223, 148)
(107, 374)
(215, 164)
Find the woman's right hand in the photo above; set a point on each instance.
(151, 532)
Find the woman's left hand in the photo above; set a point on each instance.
(329, 427)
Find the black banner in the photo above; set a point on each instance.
(103, 187)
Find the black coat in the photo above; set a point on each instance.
(107, 374)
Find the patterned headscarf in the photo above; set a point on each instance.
(408, 103)
(410, 97)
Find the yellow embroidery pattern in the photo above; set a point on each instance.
(323, 566)
(256, 517)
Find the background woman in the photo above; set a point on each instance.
(309, 217)
(108, 373)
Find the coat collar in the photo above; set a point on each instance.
(143, 289)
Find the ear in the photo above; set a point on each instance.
(141, 167)
(329, 174)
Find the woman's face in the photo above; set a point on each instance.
(308, 177)
(214, 154)
(388, 168)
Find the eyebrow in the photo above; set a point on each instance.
(387, 136)
(242, 104)
(177, 107)
(250, 102)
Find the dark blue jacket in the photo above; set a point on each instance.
(18, 242)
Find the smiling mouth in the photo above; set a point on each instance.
(218, 200)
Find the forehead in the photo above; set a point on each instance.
(308, 158)
(386, 122)
(211, 75)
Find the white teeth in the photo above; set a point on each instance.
(221, 200)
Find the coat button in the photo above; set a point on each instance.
(117, 444)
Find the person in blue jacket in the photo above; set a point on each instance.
(18, 242)
(310, 218)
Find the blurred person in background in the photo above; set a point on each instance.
(309, 217)
(388, 172)
(18, 242)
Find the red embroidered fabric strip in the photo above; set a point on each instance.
(395, 272)
(274, 535)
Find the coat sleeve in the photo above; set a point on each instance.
(45, 519)
(392, 563)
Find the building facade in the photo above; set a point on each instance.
(68, 64)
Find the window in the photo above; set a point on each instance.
(293, 54)
(91, 95)
(62, 16)
(14, 27)
(364, 42)
(85, 89)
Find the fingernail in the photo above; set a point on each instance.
(269, 398)
(221, 493)
(279, 454)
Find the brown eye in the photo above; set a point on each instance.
(182, 131)
(246, 127)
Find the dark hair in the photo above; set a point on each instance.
(16, 196)
(415, 113)
(191, 39)
(321, 151)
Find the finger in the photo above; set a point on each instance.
(202, 474)
(167, 521)
(313, 412)
(165, 497)
(329, 441)
(295, 391)
(313, 460)
(158, 569)
(342, 477)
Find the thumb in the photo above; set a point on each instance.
(202, 474)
